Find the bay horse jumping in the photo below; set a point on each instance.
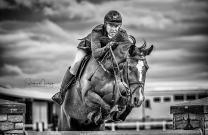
(106, 88)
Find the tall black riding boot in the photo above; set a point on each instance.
(67, 80)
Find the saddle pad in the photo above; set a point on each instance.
(82, 67)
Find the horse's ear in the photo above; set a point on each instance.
(149, 50)
(131, 50)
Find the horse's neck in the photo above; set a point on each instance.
(101, 70)
(110, 63)
(96, 69)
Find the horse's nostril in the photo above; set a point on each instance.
(124, 94)
(136, 100)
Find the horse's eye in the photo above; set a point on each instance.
(147, 67)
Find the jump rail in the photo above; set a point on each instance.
(150, 132)
(138, 124)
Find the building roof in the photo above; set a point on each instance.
(198, 106)
(203, 101)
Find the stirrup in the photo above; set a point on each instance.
(58, 98)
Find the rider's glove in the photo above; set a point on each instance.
(114, 45)
(111, 44)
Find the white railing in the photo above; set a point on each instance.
(138, 124)
(37, 126)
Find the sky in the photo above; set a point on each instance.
(38, 40)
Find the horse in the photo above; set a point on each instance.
(117, 81)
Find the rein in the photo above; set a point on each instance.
(127, 86)
(100, 64)
(116, 79)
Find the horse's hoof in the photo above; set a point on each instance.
(90, 116)
(99, 121)
(87, 122)
(106, 111)
(106, 117)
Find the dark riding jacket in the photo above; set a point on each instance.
(92, 43)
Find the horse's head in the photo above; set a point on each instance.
(136, 71)
(136, 68)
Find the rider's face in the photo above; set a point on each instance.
(112, 29)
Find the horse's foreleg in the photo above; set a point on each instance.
(121, 115)
(93, 100)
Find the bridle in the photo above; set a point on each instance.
(140, 83)
(129, 92)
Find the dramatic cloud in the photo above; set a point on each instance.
(10, 70)
(38, 39)
(43, 50)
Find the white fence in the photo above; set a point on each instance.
(137, 124)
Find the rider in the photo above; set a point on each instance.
(92, 45)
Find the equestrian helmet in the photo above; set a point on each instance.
(113, 17)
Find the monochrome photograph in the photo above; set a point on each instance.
(116, 66)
